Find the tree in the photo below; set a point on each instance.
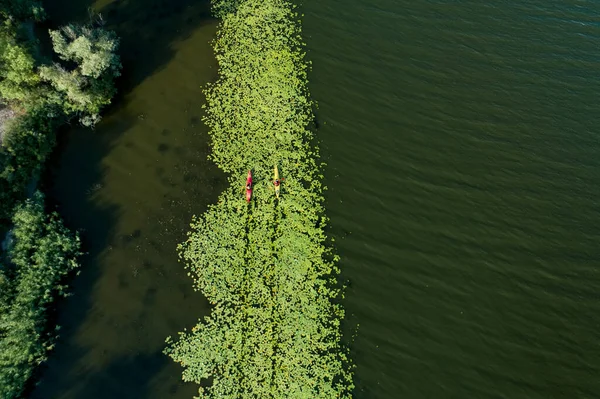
(18, 76)
(29, 140)
(42, 253)
(90, 85)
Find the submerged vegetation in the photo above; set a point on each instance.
(275, 328)
(41, 95)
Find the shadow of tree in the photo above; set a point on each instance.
(80, 151)
(146, 29)
(94, 328)
(117, 380)
(155, 282)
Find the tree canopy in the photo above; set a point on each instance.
(88, 87)
(42, 252)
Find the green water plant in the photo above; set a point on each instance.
(275, 328)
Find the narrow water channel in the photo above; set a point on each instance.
(132, 186)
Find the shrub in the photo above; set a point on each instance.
(18, 77)
(43, 251)
(22, 9)
(28, 142)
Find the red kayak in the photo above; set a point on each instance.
(249, 186)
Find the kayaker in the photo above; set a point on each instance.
(248, 187)
(276, 182)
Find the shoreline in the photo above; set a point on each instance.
(38, 252)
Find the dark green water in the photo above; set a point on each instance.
(133, 185)
(464, 174)
(464, 181)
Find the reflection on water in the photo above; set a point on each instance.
(132, 186)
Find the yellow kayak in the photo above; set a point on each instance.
(277, 182)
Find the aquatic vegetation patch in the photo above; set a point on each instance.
(265, 266)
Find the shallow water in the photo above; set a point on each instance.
(132, 186)
(462, 150)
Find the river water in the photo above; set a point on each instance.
(463, 193)
(462, 147)
(132, 186)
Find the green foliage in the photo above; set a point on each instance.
(262, 95)
(43, 251)
(93, 49)
(90, 86)
(47, 96)
(223, 7)
(28, 143)
(275, 328)
(81, 85)
(18, 77)
(22, 9)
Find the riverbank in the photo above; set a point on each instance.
(266, 266)
(39, 251)
(131, 186)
